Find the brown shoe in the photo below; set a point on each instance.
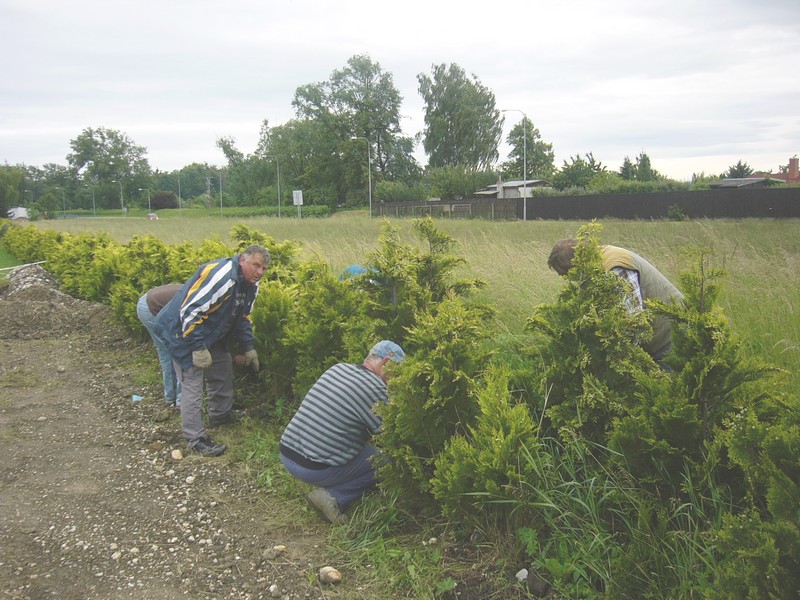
(325, 504)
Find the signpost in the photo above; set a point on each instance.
(297, 197)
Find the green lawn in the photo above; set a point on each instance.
(6, 260)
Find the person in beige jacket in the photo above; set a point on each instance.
(645, 280)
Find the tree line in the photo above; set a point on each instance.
(344, 146)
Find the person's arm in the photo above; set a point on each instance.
(243, 327)
(633, 299)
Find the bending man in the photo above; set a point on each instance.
(325, 443)
(212, 308)
(147, 309)
(645, 280)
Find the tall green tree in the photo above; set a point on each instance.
(11, 188)
(642, 170)
(526, 143)
(106, 158)
(645, 170)
(462, 123)
(740, 169)
(311, 160)
(578, 172)
(628, 170)
(251, 177)
(359, 101)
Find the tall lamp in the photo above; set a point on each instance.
(524, 161)
(278, 178)
(369, 170)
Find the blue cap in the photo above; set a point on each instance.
(352, 271)
(388, 349)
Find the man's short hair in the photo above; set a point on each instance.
(561, 256)
(257, 249)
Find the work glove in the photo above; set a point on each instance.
(202, 358)
(251, 360)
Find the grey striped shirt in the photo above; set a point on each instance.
(335, 419)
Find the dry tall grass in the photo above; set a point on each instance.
(762, 290)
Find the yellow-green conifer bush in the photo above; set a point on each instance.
(479, 474)
(432, 396)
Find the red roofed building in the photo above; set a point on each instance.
(792, 174)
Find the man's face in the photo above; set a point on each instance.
(560, 270)
(252, 267)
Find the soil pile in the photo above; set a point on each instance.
(92, 504)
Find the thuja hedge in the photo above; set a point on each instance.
(616, 478)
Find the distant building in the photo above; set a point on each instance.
(18, 212)
(745, 182)
(512, 189)
(792, 174)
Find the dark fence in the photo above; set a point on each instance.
(712, 204)
(470, 208)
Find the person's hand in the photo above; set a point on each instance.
(251, 360)
(202, 358)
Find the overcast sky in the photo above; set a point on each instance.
(696, 84)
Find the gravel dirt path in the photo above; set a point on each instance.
(92, 505)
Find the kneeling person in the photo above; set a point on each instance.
(325, 443)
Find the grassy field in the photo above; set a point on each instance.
(762, 288)
(6, 260)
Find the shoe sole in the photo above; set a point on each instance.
(331, 514)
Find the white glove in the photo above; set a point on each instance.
(202, 358)
(251, 360)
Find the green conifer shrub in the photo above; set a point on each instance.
(30, 244)
(324, 308)
(432, 395)
(591, 350)
(479, 473)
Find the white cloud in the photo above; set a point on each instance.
(696, 85)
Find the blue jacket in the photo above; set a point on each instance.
(213, 305)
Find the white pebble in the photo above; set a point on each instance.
(329, 575)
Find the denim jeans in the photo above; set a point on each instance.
(172, 387)
(346, 483)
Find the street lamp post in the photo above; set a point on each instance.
(94, 210)
(524, 162)
(63, 203)
(149, 210)
(121, 203)
(220, 194)
(278, 178)
(369, 170)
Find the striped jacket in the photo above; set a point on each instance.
(213, 305)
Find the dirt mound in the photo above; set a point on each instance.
(92, 502)
(33, 307)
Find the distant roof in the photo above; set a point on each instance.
(520, 183)
(739, 182)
